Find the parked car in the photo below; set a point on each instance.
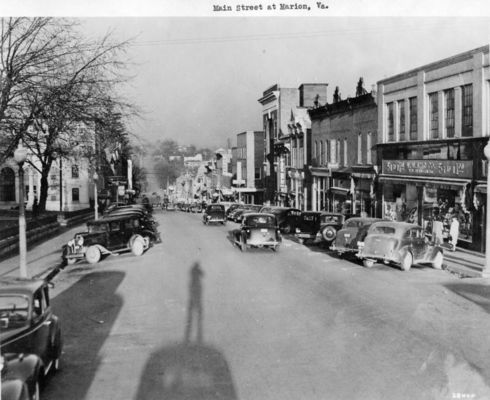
(399, 243)
(319, 227)
(21, 376)
(196, 207)
(214, 213)
(146, 220)
(29, 326)
(352, 235)
(233, 208)
(287, 217)
(258, 230)
(108, 236)
(239, 213)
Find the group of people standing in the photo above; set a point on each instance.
(438, 229)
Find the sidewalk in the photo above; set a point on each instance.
(465, 263)
(43, 258)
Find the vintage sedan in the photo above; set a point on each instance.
(249, 208)
(22, 376)
(258, 230)
(29, 326)
(214, 213)
(399, 243)
(287, 217)
(146, 220)
(318, 227)
(351, 237)
(109, 235)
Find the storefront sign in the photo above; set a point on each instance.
(440, 168)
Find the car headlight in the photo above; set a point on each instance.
(298, 230)
(79, 240)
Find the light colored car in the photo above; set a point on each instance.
(399, 243)
(258, 230)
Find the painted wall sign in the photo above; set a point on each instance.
(432, 168)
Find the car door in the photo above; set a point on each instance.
(417, 243)
(116, 236)
(40, 326)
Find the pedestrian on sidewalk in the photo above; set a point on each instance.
(454, 232)
(437, 229)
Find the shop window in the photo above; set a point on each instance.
(449, 113)
(75, 195)
(434, 115)
(401, 120)
(7, 184)
(391, 130)
(413, 118)
(467, 120)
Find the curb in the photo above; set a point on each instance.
(461, 272)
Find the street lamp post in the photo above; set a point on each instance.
(486, 269)
(96, 203)
(20, 156)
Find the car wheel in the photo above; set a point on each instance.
(301, 241)
(138, 246)
(368, 263)
(406, 263)
(92, 255)
(275, 248)
(243, 246)
(329, 234)
(438, 259)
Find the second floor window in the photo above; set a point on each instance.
(449, 112)
(74, 171)
(401, 120)
(434, 115)
(346, 162)
(333, 151)
(467, 120)
(413, 117)
(321, 153)
(359, 148)
(369, 143)
(391, 127)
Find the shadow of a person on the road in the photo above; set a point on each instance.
(194, 307)
(189, 370)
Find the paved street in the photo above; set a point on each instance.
(299, 324)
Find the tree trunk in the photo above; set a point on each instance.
(43, 193)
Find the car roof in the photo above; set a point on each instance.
(20, 285)
(364, 219)
(257, 214)
(332, 213)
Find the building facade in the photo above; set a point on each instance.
(277, 106)
(343, 137)
(433, 125)
(249, 164)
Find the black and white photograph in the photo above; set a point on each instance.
(259, 200)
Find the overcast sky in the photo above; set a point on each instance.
(198, 79)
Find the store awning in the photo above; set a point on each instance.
(344, 173)
(339, 191)
(481, 188)
(363, 172)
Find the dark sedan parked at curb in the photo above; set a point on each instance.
(318, 227)
(287, 217)
(107, 236)
(21, 376)
(214, 213)
(258, 230)
(351, 237)
(401, 244)
(29, 326)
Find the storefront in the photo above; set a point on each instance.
(420, 191)
(340, 193)
(364, 183)
(320, 188)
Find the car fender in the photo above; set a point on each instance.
(14, 389)
(404, 250)
(24, 367)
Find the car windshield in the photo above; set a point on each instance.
(331, 219)
(382, 229)
(260, 220)
(13, 312)
(97, 228)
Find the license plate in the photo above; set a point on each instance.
(263, 230)
(347, 235)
